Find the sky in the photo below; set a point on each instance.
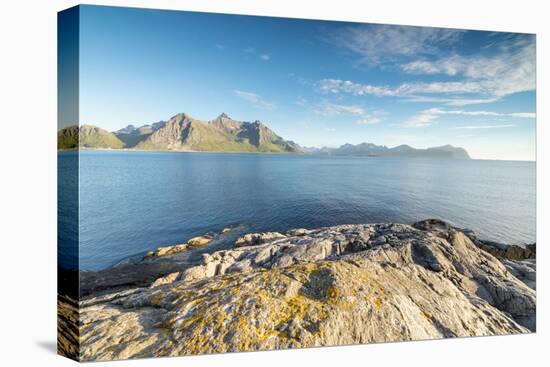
(318, 83)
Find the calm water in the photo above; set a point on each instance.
(131, 202)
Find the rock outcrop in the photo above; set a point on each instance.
(345, 284)
(195, 242)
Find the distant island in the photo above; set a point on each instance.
(224, 134)
(373, 150)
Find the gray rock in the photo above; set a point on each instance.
(338, 285)
(297, 232)
(254, 239)
(499, 250)
(167, 250)
(524, 270)
(200, 241)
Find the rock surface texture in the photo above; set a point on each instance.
(345, 284)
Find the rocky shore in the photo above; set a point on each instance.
(347, 284)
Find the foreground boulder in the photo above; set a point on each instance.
(346, 284)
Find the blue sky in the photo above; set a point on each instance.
(318, 83)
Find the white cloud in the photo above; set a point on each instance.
(375, 44)
(528, 115)
(472, 127)
(368, 120)
(301, 101)
(422, 119)
(411, 90)
(262, 56)
(338, 109)
(336, 86)
(365, 117)
(480, 79)
(455, 101)
(427, 117)
(507, 72)
(254, 99)
(489, 90)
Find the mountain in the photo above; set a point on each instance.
(183, 132)
(67, 138)
(87, 136)
(132, 135)
(224, 134)
(373, 150)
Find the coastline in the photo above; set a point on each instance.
(282, 153)
(176, 151)
(345, 284)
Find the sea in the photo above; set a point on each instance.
(129, 202)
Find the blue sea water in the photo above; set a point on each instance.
(131, 202)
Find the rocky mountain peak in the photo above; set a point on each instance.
(180, 117)
(127, 130)
(183, 132)
(223, 115)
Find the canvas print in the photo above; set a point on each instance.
(231, 183)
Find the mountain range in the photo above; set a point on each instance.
(182, 133)
(373, 150)
(224, 134)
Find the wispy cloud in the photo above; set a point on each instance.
(454, 101)
(510, 55)
(376, 44)
(527, 115)
(411, 92)
(492, 90)
(369, 120)
(423, 119)
(301, 101)
(338, 109)
(437, 111)
(261, 55)
(481, 79)
(472, 127)
(427, 117)
(365, 117)
(254, 98)
(336, 86)
(509, 71)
